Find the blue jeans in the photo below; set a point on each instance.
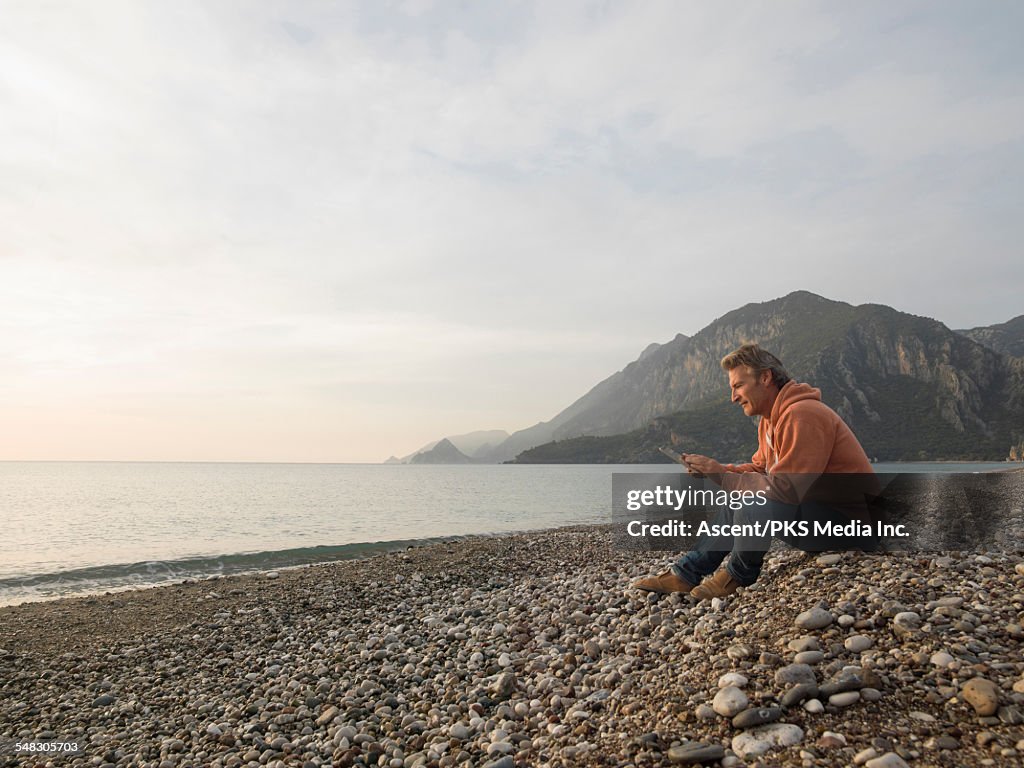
(748, 551)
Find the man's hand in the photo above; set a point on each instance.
(703, 466)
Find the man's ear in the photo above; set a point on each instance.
(766, 377)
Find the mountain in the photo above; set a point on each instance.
(1007, 337)
(444, 452)
(909, 387)
(605, 398)
(473, 444)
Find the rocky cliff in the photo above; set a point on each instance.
(909, 386)
(1007, 338)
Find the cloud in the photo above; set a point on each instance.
(495, 204)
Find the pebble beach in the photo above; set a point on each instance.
(531, 650)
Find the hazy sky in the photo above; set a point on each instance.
(307, 231)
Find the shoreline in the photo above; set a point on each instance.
(190, 567)
(523, 649)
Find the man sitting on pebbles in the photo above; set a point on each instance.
(799, 439)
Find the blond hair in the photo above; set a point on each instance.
(757, 359)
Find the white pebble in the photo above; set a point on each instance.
(730, 701)
(814, 706)
(732, 678)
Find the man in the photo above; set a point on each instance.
(799, 439)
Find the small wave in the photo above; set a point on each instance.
(78, 581)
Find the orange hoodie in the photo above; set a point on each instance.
(804, 437)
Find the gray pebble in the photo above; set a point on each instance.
(704, 712)
(805, 643)
(799, 693)
(756, 716)
(809, 657)
(814, 706)
(943, 742)
(906, 622)
(757, 741)
(729, 701)
(795, 674)
(888, 760)
(844, 699)
(696, 752)
(858, 643)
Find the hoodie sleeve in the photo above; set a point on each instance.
(756, 464)
(803, 444)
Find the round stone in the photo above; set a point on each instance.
(696, 752)
(831, 740)
(793, 674)
(943, 742)
(751, 718)
(906, 622)
(844, 699)
(816, 618)
(864, 755)
(704, 712)
(942, 659)
(814, 706)
(805, 643)
(762, 739)
(739, 651)
(500, 748)
(729, 701)
(888, 760)
(734, 679)
(858, 643)
(809, 657)
(981, 694)
(799, 693)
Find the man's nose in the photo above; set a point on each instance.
(735, 397)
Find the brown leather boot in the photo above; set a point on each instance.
(664, 583)
(719, 584)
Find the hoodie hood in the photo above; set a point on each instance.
(791, 393)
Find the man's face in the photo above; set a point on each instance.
(753, 391)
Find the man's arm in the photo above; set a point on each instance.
(758, 462)
(704, 465)
(803, 444)
(712, 468)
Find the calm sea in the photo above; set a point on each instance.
(73, 528)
